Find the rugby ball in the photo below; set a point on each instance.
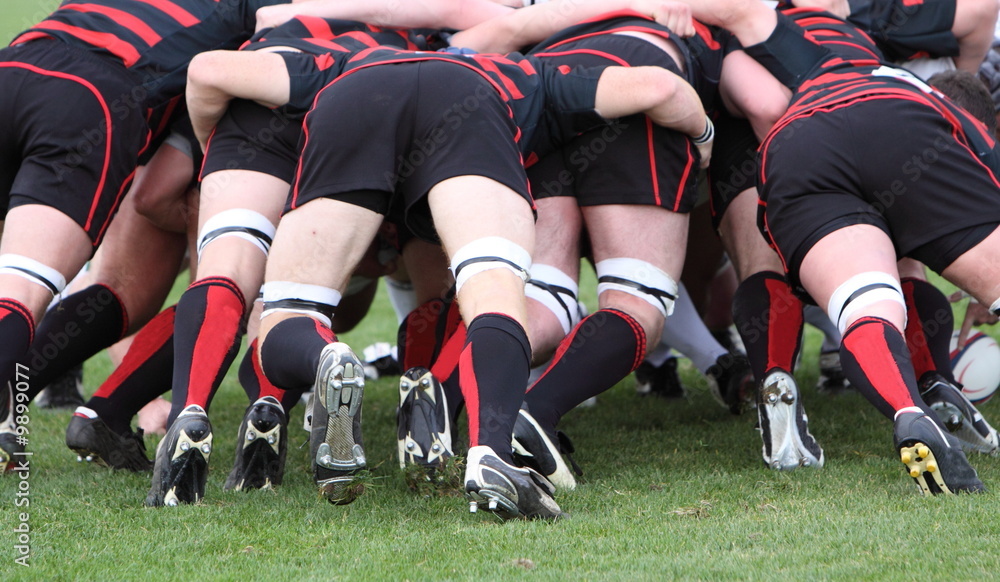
(976, 366)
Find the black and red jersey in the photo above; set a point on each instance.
(548, 104)
(154, 39)
(703, 53)
(318, 36)
(848, 69)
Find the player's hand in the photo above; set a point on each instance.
(674, 15)
(271, 16)
(975, 314)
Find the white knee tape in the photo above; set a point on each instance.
(639, 278)
(484, 254)
(312, 300)
(239, 222)
(861, 291)
(33, 271)
(557, 291)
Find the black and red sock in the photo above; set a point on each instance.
(929, 325)
(769, 318)
(493, 373)
(17, 327)
(78, 327)
(207, 337)
(425, 331)
(600, 351)
(256, 385)
(144, 374)
(877, 362)
(290, 355)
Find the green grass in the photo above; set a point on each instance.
(671, 491)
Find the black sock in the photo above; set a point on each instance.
(769, 318)
(206, 340)
(78, 327)
(877, 362)
(290, 354)
(929, 325)
(16, 327)
(256, 385)
(600, 351)
(144, 374)
(493, 373)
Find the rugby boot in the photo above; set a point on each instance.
(784, 426)
(335, 446)
(260, 447)
(94, 441)
(181, 467)
(64, 392)
(661, 381)
(731, 382)
(11, 443)
(958, 415)
(423, 429)
(541, 450)
(831, 375)
(932, 456)
(508, 491)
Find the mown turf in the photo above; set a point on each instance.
(673, 490)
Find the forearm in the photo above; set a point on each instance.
(217, 77)
(206, 106)
(533, 24)
(667, 99)
(454, 14)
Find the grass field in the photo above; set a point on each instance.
(673, 490)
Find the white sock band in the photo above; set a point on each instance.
(33, 271)
(862, 291)
(557, 291)
(485, 254)
(639, 278)
(239, 222)
(288, 297)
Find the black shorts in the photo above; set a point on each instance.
(858, 164)
(629, 161)
(70, 132)
(252, 137)
(734, 163)
(412, 131)
(906, 30)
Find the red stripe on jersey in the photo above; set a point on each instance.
(706, 36)
(508, 83)
(30, 35)
(134, 24)
(114, 45)
(363, 38)
(652, 31)
(107, 122)
(174, 11)
(688, 167)
(617, 60)
(118, 198)
(652, 162)
(317, 27)
(327, 44)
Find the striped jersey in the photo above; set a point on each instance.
(154, 39)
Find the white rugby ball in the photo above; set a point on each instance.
(976, 366)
